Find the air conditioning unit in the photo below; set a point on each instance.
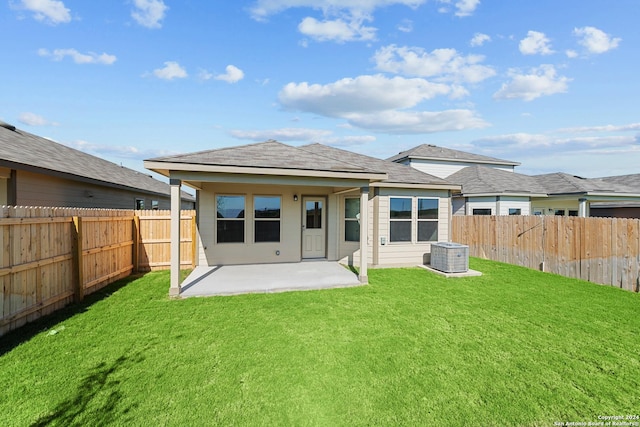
(450, 257)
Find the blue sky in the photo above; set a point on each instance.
(551, 84)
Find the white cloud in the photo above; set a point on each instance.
(77, 57)
(233, 74)
(417, 122)
(607, 128)
(32, 119)
(171, 70)
(49, 11)
(466, 7)
(360, 94)
(284, 134)
(463, 7)
(406, 26)
(535, 43)
(595, 40)
(149, 13)
(120, 151)
(347, 141)
(571, 53)
(376, 103)
(337, 30)
(445, 65)
(540, 81)
(265, 8)
(479, 39)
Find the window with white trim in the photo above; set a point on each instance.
(400, 219)
(266, 218)
(230, 213)
(428, 220)
(352, 219)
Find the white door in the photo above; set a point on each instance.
(313, 227)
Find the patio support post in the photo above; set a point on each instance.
(583, 209)
(364, 234)
(174, 290)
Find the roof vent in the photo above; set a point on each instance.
(7, 126)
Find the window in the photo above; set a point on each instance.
(314, 214)
(427, 220)
(139, 204)
(400, 219)
(559, 212)
(351, 219)
(515, 211)
(266, 215)
(155, 205)
(482, 211)
(573, 213)
(230, 219)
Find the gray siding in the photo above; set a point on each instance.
(41, 190)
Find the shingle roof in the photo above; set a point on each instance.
(397, 173)
(627, 180)
(485, 180)
(269, 154)
(18, 147)
(563, 183)
(433, 152)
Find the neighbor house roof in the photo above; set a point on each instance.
(270, 157)
(433, 152)
(23, 150)
(482, 180)
(397, 173)
(562, 183)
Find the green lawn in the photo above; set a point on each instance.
(513, 347)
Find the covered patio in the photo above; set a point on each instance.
(267, 278)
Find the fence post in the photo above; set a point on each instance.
(136, 242)
(194, 242)
(78, 274)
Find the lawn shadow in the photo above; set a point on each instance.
(23, 334)
(99, 393)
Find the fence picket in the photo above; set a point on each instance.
(600, 250)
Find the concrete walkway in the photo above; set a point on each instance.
(265, 278)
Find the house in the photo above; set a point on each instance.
(573, 195)
(444, 162)
(36, 171)
(491, 187)
(491, 191)
(270, 202)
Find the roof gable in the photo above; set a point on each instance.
(397, 173)
(433, 152)
(269, 155)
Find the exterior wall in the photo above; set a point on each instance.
(3, 191)
(510, 202)
(481, 203)
(290, 245)
(414, 252)
(458, 206)
(42, 190)
(549, 206)
(443, 169)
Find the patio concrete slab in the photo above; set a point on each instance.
(267, 278)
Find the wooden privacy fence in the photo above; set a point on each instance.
(52, 256)
(600, 250)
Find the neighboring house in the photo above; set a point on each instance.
(36, 171)
(444, 162)
(572, 195)
(271, 202)
(489, 191)
(619, 209)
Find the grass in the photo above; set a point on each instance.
(513, 347)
